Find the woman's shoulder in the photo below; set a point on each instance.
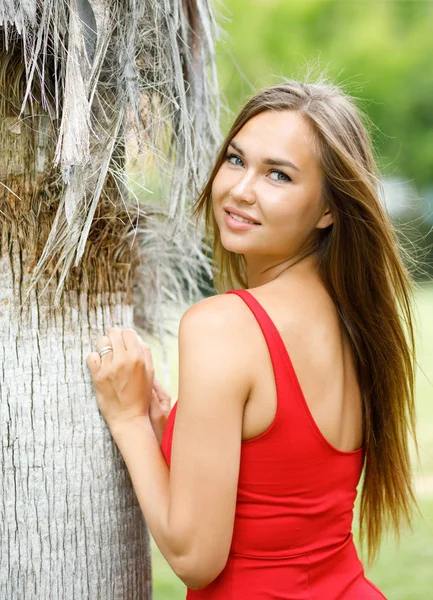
(221, 327)
(214, 312)
(214, 337)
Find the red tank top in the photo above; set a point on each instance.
(292, 535)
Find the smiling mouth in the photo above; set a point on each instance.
(241, 219)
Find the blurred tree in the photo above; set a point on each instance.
(381, 51)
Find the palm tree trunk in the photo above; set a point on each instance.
(71, 526)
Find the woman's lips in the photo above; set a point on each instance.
(238, 225)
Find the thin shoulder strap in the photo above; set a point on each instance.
(283, 368)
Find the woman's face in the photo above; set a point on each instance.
(270, 176)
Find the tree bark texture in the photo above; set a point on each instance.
(70, 524)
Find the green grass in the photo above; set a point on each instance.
(406, 572)
(403, 572)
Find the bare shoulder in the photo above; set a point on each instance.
(222, 317)
(214, 340)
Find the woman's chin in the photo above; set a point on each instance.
(235, 246)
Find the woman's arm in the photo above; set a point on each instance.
(190, 509)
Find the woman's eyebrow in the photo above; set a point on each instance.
(278, 162)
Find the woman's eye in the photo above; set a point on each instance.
(234, 159)
(280, 176)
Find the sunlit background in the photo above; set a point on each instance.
(382, 53)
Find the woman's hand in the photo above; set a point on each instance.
(123, 378)
(160, 406)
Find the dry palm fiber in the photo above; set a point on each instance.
(108, 72)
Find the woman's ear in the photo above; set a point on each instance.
(325, 220)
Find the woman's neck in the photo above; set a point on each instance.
(259, 273)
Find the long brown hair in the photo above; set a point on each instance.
(361, 264)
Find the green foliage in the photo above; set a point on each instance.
(382, 52)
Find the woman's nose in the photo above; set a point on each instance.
(243, 190)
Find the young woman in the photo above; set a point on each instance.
(291, 383)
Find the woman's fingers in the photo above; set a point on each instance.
(163, 396)
(142, 343)
(158, 388)
(164, 399)
(117, 341)
(131, 340)
(104, 342)
(94, 362)
(148, 358)
(125, 343)
(153, 400)
(148, 361)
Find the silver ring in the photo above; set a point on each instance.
(105, 350)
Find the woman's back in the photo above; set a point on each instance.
(292, 530)
(317, 344)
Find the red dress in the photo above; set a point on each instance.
(292, 536)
